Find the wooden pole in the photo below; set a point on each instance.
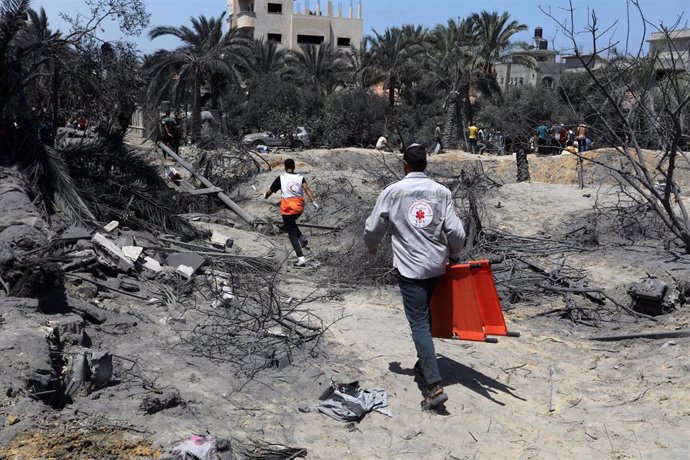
(221, 195)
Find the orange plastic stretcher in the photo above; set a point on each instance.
(465, 305)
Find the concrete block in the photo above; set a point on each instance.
(110, 254)
(151, 264)
(190, 260)
(133, 252)
(101, 366)
(111, 226)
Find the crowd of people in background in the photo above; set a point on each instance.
(78, 121)
(481, 140)
(560, 138)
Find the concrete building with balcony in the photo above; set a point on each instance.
(671, 50)
(290, 24)
(546, 73)
(574, 64)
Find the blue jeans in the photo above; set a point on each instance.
(416, 296)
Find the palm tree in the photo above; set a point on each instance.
(363, 72)
(494, 33)
(394, 53)
(21, 54)
(207, 55)
(450, 61)
(49, 57)
(323, 66)
(269, 59)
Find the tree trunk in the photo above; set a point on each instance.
(391, 96)
(196, 110)
(469, 111)
(55, 97)
(450, 138)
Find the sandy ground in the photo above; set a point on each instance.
(611, 400)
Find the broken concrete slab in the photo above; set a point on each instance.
(76, 232)
(68, 328)
(26, 358)
(133, 252)
(222, 239)
(111, 226)
(111, 254)
(89, 312)
(89, 371)
(101, 367)
(77, 374)
(151, 264)
(188, 259)
(185, 271)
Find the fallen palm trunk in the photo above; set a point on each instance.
(234, 207)
(644, 335)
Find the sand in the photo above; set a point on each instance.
(609, 400)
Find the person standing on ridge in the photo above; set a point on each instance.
(542, 134)
(426, 234)
(293, 187)
(581, 136)
(438, 134)
(473, 137)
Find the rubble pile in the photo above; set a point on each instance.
(64, 296)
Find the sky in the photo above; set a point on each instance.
(380, 14)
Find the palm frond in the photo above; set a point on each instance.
(47, 170)
(122, 184)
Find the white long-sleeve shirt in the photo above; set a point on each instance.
(425, 228)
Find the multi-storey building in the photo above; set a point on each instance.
(671, 50)
(289, 24)
(546, 72)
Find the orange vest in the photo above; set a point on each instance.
(293, 194)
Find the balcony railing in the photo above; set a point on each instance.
(246, 19)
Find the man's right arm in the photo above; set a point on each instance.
(275, 186)
(452, 227)
(377, 223)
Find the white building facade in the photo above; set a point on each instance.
(291, 23)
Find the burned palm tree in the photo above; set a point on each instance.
(207, 53)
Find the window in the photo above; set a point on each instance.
(309, 39)
(275, 8)
(278, 38)
(522, 80)
(343, 41)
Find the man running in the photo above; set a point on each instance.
(293, 187)
(425, 231)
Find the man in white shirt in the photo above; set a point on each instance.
(293, 187)
(426, 233)
(382, 144)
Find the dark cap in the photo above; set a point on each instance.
(415, 155)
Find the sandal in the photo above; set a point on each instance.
(435, 398)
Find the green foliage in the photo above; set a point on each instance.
(207, 57)
(353, 117)
(120, 184)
